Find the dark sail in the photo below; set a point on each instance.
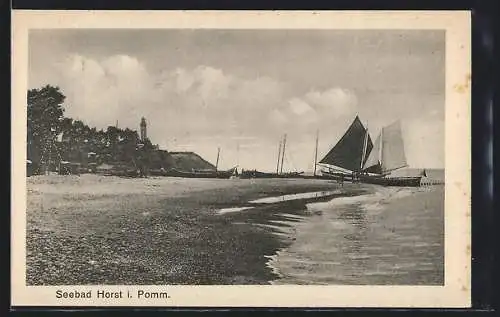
(348, 152)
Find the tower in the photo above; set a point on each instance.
(144, 135)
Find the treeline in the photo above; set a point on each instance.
(53, 138)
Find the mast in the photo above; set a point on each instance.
(217, 162)
(238, 154)
(380, 153)
(365, 144)
(283, 153)
(316, 153)
(279, 156)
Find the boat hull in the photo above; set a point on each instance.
(391, 181)
(339, 177)
(291, 175)
(211, 174)
(257, 174)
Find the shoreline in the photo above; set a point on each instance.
(102, 225)
(108, 230)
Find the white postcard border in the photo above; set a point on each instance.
(455, 292)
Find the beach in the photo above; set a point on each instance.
(90, 229)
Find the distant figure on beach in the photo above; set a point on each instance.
(341, 180)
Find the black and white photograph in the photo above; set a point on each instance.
(222, 156)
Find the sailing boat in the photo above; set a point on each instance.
(201, 174)
(366, 161)
(348, 156)
(258, 174)
(286, 174)
(387, 156)
(279, 166)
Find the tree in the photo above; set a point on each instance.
(46, 121)
(66, 125)
(45, 115)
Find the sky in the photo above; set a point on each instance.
(242, 90)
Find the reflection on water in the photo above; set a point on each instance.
(277, 199)
(233, 209)
(391, 237)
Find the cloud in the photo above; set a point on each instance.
(183, 80)
(99, 90)
(337, 102)
(184, 105)
(299, 107)
(212, 88)
(277, 117)
(207, 82)
(303, 113)
(200, 100)
(314, 110)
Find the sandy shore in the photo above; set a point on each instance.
(108, 230)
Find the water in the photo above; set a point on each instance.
(277, 199)
(394, 236)
(233, 209)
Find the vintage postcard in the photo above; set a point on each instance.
(271, 159)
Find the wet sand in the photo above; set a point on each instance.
(108, 230)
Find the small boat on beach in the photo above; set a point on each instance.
(256, 174)
(279, 167)
(355, 157)
(201, 174)
(291, 175)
